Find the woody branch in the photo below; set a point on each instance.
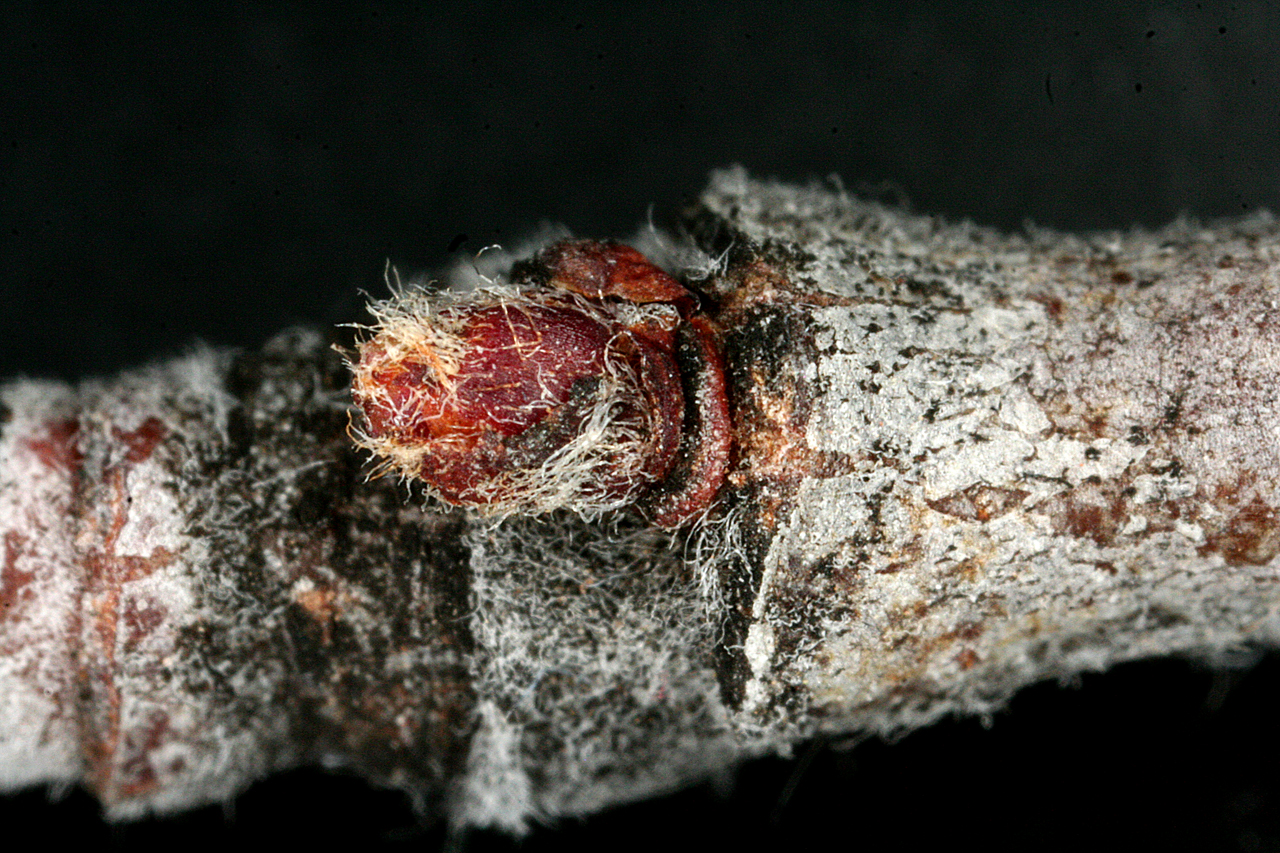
(963, 462)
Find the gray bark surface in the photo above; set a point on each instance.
(965, 461)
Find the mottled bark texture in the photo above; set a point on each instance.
(965, 461)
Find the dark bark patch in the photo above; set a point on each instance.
(1094, 509)
(13, 581)
(365, 586)
(1250, 537)
(140, 616)
(979, 502)
(137, 775)
(140, 442)
(59, 448)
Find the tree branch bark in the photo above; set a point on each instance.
(964, 462)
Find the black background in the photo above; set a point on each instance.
(171, 173)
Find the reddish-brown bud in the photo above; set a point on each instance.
(561, 392)
(599, 269)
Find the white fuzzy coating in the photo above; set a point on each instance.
(418, 327)
(1065, 375)
(39, 592)
(594, 673)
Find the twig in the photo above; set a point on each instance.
(964, 461)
